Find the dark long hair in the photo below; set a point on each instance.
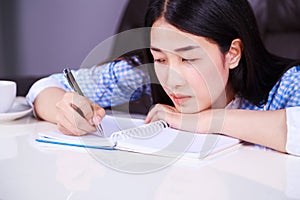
(222, 21)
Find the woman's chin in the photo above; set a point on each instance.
(189, 109)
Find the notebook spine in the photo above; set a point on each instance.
(141, 132)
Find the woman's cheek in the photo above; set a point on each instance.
(161, 73)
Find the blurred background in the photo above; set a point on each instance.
(41, 37)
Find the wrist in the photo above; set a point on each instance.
(212, 121)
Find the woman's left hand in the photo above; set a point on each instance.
(195, 122)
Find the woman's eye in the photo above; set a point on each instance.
(188, 60)
(160, 60)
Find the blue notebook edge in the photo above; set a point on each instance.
(76, 145)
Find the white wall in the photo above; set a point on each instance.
(54, 34)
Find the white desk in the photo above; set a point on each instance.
(31, 171)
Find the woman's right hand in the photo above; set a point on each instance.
(77, 115)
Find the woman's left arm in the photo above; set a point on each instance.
(267, 128)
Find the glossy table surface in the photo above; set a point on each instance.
(29, 170)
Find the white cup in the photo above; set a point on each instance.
(8, 90)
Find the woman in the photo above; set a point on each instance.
(252, 79)
(208, 57)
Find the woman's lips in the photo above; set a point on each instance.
(179, 99)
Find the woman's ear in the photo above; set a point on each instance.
(234, 54)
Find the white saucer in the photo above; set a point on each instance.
(20, 108)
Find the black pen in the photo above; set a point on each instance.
(72, 82)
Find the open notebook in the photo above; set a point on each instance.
(154, 138)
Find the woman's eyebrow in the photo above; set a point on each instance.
(187, 48)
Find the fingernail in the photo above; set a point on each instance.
(97, 120)
(146, 121)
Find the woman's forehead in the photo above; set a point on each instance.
(162, 31)
(168, 37)
(172, 41)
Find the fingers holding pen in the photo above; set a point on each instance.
(67, 127)
(98, 114)
(75, 114)
(83, 106)
(92, 112)
(80, 103)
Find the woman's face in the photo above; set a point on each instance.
(191, 69)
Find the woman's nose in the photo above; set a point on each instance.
(175, 76)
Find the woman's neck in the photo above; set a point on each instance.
(224, 99)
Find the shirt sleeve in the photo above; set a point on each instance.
(111, 84)
(40, 85)
(291, 96)
(293, 130)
